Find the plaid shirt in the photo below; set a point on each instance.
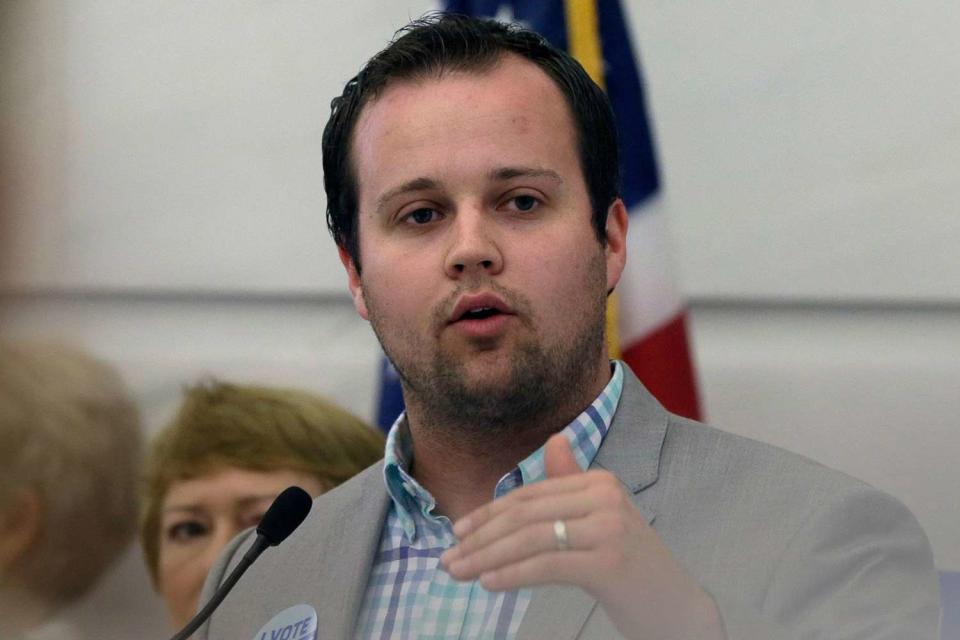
(408, 594)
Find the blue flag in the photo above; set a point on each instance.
(390, 402)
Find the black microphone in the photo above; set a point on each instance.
(285, 514)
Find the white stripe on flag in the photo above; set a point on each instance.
(648, 294)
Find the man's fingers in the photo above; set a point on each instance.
(555, 567)
(534, 540)
(565, 484)
(558, 460)
(602, 494)
(518, 545)
(565, 506)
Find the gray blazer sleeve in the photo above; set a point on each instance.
(859, 567)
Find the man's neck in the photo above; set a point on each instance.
(460, 472)
(462, 477)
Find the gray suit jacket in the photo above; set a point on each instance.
(787, 548)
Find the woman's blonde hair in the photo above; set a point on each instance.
(221, 425)
(70, 432)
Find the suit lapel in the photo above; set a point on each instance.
(345, 554)
(631, 451)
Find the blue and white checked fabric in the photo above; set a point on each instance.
(408, 594)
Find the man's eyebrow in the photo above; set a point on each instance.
(499, 174)
(417, 184)
(507, 173)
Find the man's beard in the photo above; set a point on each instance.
(542, 380)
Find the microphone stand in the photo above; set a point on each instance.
(259, 546)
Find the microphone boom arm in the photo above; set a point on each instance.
(260, 544)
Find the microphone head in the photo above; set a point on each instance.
(285, 514)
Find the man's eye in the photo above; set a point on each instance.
(422, 216)
(525, 203)
(185, 531)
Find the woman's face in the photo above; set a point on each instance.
(201, 515)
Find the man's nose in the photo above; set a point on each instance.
(474, 247)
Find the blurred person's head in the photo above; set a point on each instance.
(69, 457)
(214, 470)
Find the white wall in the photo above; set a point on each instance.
(163, 195)
(811, 149)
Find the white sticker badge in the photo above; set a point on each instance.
(299, 622)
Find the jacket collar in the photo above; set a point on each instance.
(347, 552)
(631, 451)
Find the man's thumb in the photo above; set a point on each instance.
(558, 459)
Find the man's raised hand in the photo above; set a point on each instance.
(609, 550)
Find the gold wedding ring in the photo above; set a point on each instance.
(560, 535)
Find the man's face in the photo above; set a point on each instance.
(481, 271)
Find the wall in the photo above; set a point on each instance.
(163, 205)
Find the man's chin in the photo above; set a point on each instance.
(487, 376)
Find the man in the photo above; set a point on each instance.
(471, 181)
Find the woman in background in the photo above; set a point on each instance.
(214, 470)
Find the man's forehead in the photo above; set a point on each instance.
(507, 69)
(515, 96)
(505, 62)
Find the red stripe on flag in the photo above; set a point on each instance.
(663, 362)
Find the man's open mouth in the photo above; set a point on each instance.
(480, 313)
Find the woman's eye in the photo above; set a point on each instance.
(422, 216)
(185, 531)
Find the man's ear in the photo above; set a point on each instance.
(616, 249)
(353, 282)
(20, 524)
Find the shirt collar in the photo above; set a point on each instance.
(585, 434)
